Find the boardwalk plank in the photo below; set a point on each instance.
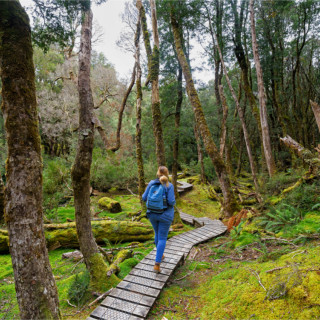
(133, 297)
(136, 294)
(134, 287)
(144, 281)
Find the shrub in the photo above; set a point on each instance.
(78, 288)
(56, 182)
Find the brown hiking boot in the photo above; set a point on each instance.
(156, 268)
(162, 258)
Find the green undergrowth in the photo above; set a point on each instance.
(129, 204)
(289, 287)
(70, 277)
(197, 203)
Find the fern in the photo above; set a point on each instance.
(277, 219)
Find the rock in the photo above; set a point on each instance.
(110, 204)
(74, 255)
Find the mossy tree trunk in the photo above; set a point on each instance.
(153, 76)
(141, 180)
(200, 153)
(34, 283)
(177, 133)
(81, 168)
(230, 205)
(1, 200)
(262, 99)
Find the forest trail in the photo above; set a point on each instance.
(134, 297)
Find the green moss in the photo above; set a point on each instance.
(126, 266)
(110, 204)
(155, 64)
(98, 274)
(232, 291)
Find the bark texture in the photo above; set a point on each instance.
(81, 168)
(177, 133)
(1, 200)
(153, 76)
(141, 180)
(35, 285)
(230, 205)
(262, 99)
(200, 153)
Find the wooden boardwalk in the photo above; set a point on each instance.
(134, 297)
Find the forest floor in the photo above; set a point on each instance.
(245, 275)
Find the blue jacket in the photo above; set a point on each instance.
(168, 214)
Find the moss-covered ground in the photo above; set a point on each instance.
(65, 271)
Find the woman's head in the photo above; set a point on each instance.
(163, 175)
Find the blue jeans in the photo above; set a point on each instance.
(161, 230)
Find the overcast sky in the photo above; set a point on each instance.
(108, 16)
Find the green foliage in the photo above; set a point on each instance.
(78, 288)
(56, 182)
(281, 217)
(107, 171)
(305, 196)
(280, 181)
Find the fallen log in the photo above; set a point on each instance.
(303, 153)
(66, 235)
(122, 255)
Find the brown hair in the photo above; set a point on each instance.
(163, 175)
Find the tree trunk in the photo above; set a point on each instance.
(1, 200)
(242, 120)
(141, 180)
(81, 168)
(223, 137)
(200, 153)
(34, 283)
(316, 112)
(230, 205)
(262, 100)
(177, 133)
(153, 76)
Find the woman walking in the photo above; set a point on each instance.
(160, 199)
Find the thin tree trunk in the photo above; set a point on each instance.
(176, 135)
(200, 153)
(224, 120)
(153, 76)
(117, 145)
(1, 200)
(34, 283)
(242, 120)
(316, 112)
(262, 100)
(230, 205)
(141, 180)
(81, 168)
